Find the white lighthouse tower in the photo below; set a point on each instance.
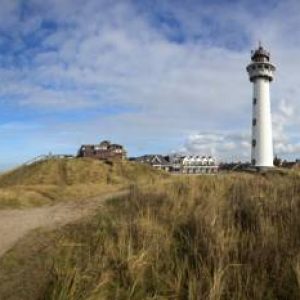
(261, 72)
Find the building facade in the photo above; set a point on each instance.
(157, 161)
(181, 164)
(103, 151)
(199, 165)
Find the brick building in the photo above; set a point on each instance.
(103, 151)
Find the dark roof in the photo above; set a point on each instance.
(153, 159)
(260, 52)
(160, 160)
(105, 143)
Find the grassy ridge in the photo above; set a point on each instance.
(226, 237)
(55, 180)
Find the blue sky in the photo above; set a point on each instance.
(157, 76)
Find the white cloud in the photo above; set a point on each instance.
(223, 145)
(284, 121)
(113, 54)
(229, 146)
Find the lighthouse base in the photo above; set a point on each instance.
(263, 168)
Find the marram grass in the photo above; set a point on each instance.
(222, 237)
(55, 180)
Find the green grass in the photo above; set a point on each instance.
(223, 237)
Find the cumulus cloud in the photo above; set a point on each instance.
(230, 146)
(168, 68)
(285, 121)
(222, 145)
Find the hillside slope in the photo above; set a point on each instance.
(188, 237)
(60, 179)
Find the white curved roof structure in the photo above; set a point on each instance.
(197, 160)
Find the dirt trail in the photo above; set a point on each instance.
(16, 223)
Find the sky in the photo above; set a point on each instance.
(160, 76)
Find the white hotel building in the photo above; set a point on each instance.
(199, 165)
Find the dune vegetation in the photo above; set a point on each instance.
(226, 237)
(54, 180)
(229, 236)
(234, 236)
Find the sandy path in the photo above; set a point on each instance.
(14, 223)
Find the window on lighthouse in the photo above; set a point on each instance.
(254, 122)
(254, 101)
(253, 143)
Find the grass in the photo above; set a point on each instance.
(54, 180)
(224, 237)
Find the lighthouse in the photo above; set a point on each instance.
(261, 72)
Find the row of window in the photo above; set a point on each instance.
(261, 66)
(198, 163)
(261, 59)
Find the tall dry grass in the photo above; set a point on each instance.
(223, 237)
(55, 180)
